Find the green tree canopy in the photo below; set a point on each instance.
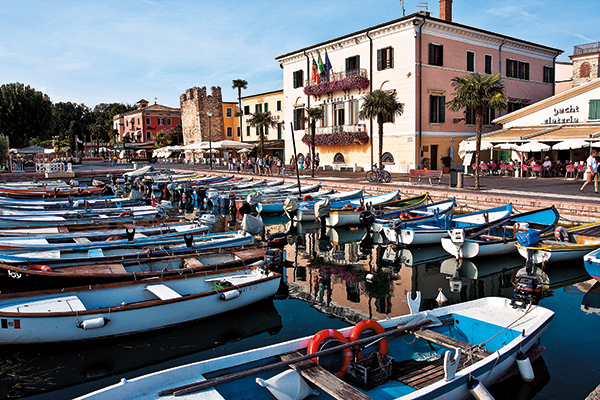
(478, 92)
(262, 120)
(312, 116)
(24, 113)
(240, 84)
(381, 105)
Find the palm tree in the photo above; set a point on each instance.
(478, 92)
(240, 84)
(312, 116)
(381, 105)
(261, 120)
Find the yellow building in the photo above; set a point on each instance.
(231, 122)
(269, 101)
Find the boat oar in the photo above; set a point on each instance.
(202, 385)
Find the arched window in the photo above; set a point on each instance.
(338, 158)
(584, 70)
(387, 158)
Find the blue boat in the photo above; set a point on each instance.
(409, 357)
(592, 264)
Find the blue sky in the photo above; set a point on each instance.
(104, 51)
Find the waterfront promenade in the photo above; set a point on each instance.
(524, 193)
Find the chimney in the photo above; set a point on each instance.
(446, 10)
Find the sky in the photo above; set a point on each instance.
(122, 51)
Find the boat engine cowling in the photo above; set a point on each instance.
(528, 290)
(366, 219)
(273, 260)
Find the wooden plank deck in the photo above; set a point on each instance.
(325, 380)
(449, 342)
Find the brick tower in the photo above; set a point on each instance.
(195, 104)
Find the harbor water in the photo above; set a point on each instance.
(334, 278)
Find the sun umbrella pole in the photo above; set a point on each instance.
(296, 158)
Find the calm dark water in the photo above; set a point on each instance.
(334, 280)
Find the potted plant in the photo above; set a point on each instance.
(425, 163)
(447, 161)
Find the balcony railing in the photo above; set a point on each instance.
(327, 130)
(355, 78)
(337, 76)
(586, 48)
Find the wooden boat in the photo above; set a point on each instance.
(117, 309)
(419, 212)
(77, 218)
(568, 244)
(455, 333)
(77, 212)
(97, 252)
(351, 215)
(307, 213)
(592, 264)
(63, 202)
(128, 235)
(81, 204)
(431, 231)
(45, 193)
(270, 205)
(84, 226)
(500, 237)
(27, 277)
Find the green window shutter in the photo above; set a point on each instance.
(391, 58)
(278, 105)
(247, 131)
(442, 105)
(594, 109)
(357, 62)
(257, 131)
(266, 107)
(379, 60)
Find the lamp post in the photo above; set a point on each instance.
(209, 138)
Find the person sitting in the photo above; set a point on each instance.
(547, 166)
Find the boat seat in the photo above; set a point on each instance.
(93, 253)
(63, 229)
(59, 304)
(324, 380)
(82, 240)
(163, 292)
(451, 343)
(139, 236)
(192, 263)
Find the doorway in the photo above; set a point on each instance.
(434, 156)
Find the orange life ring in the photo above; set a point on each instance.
(125, 213)
(347, 207)
(40, 267)
(561, 234)
(110, 239)
(404, 216)
(369, 325)
(308, 197)
(359, 209)
(234, 188)
(320, 337)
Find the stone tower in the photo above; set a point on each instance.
(586, 60)
(195, 104)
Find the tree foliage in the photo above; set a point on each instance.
(262, 120)
(240, 84)
(169, 137)
(478, 92)
(24, 113)
(312, 116)
(381, 105)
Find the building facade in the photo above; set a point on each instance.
(263, 102)
(142, 125)
(416, 56)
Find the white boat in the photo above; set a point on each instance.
(432, 231)
(111, 310)
(500, 237)
(491, 322)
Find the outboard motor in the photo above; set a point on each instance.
(245, 209)
(201, 192)
(528, 290)
(147, 188)
(108, 190)
(188, 205)
(274, 260)
(277, 240)
(366, 219)
(163, 192)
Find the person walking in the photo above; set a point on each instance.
(591, 172)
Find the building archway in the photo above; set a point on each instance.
(338, 158)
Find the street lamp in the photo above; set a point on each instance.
(209, 138)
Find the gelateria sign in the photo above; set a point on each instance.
(564, 115)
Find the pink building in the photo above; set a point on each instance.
(416, 56)
(142, 125)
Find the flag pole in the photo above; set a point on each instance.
(296, 158)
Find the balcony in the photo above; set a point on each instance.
(354, 78)
(342, 135)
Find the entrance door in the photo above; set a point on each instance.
(434, 156)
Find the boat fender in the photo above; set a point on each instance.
(560, 233)
(93, 323)
(525, 368)
(287, 385)
(230, 295)
(368, 325)
(477, 390)
(39, 267)
(359, 209)
(451, 363)
(347, 207)
(320, 340)
(307, 197)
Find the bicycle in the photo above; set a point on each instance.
(378, 175)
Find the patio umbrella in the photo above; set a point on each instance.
(533, 146)
(505, 146)
(468, 146)
(571, 144)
